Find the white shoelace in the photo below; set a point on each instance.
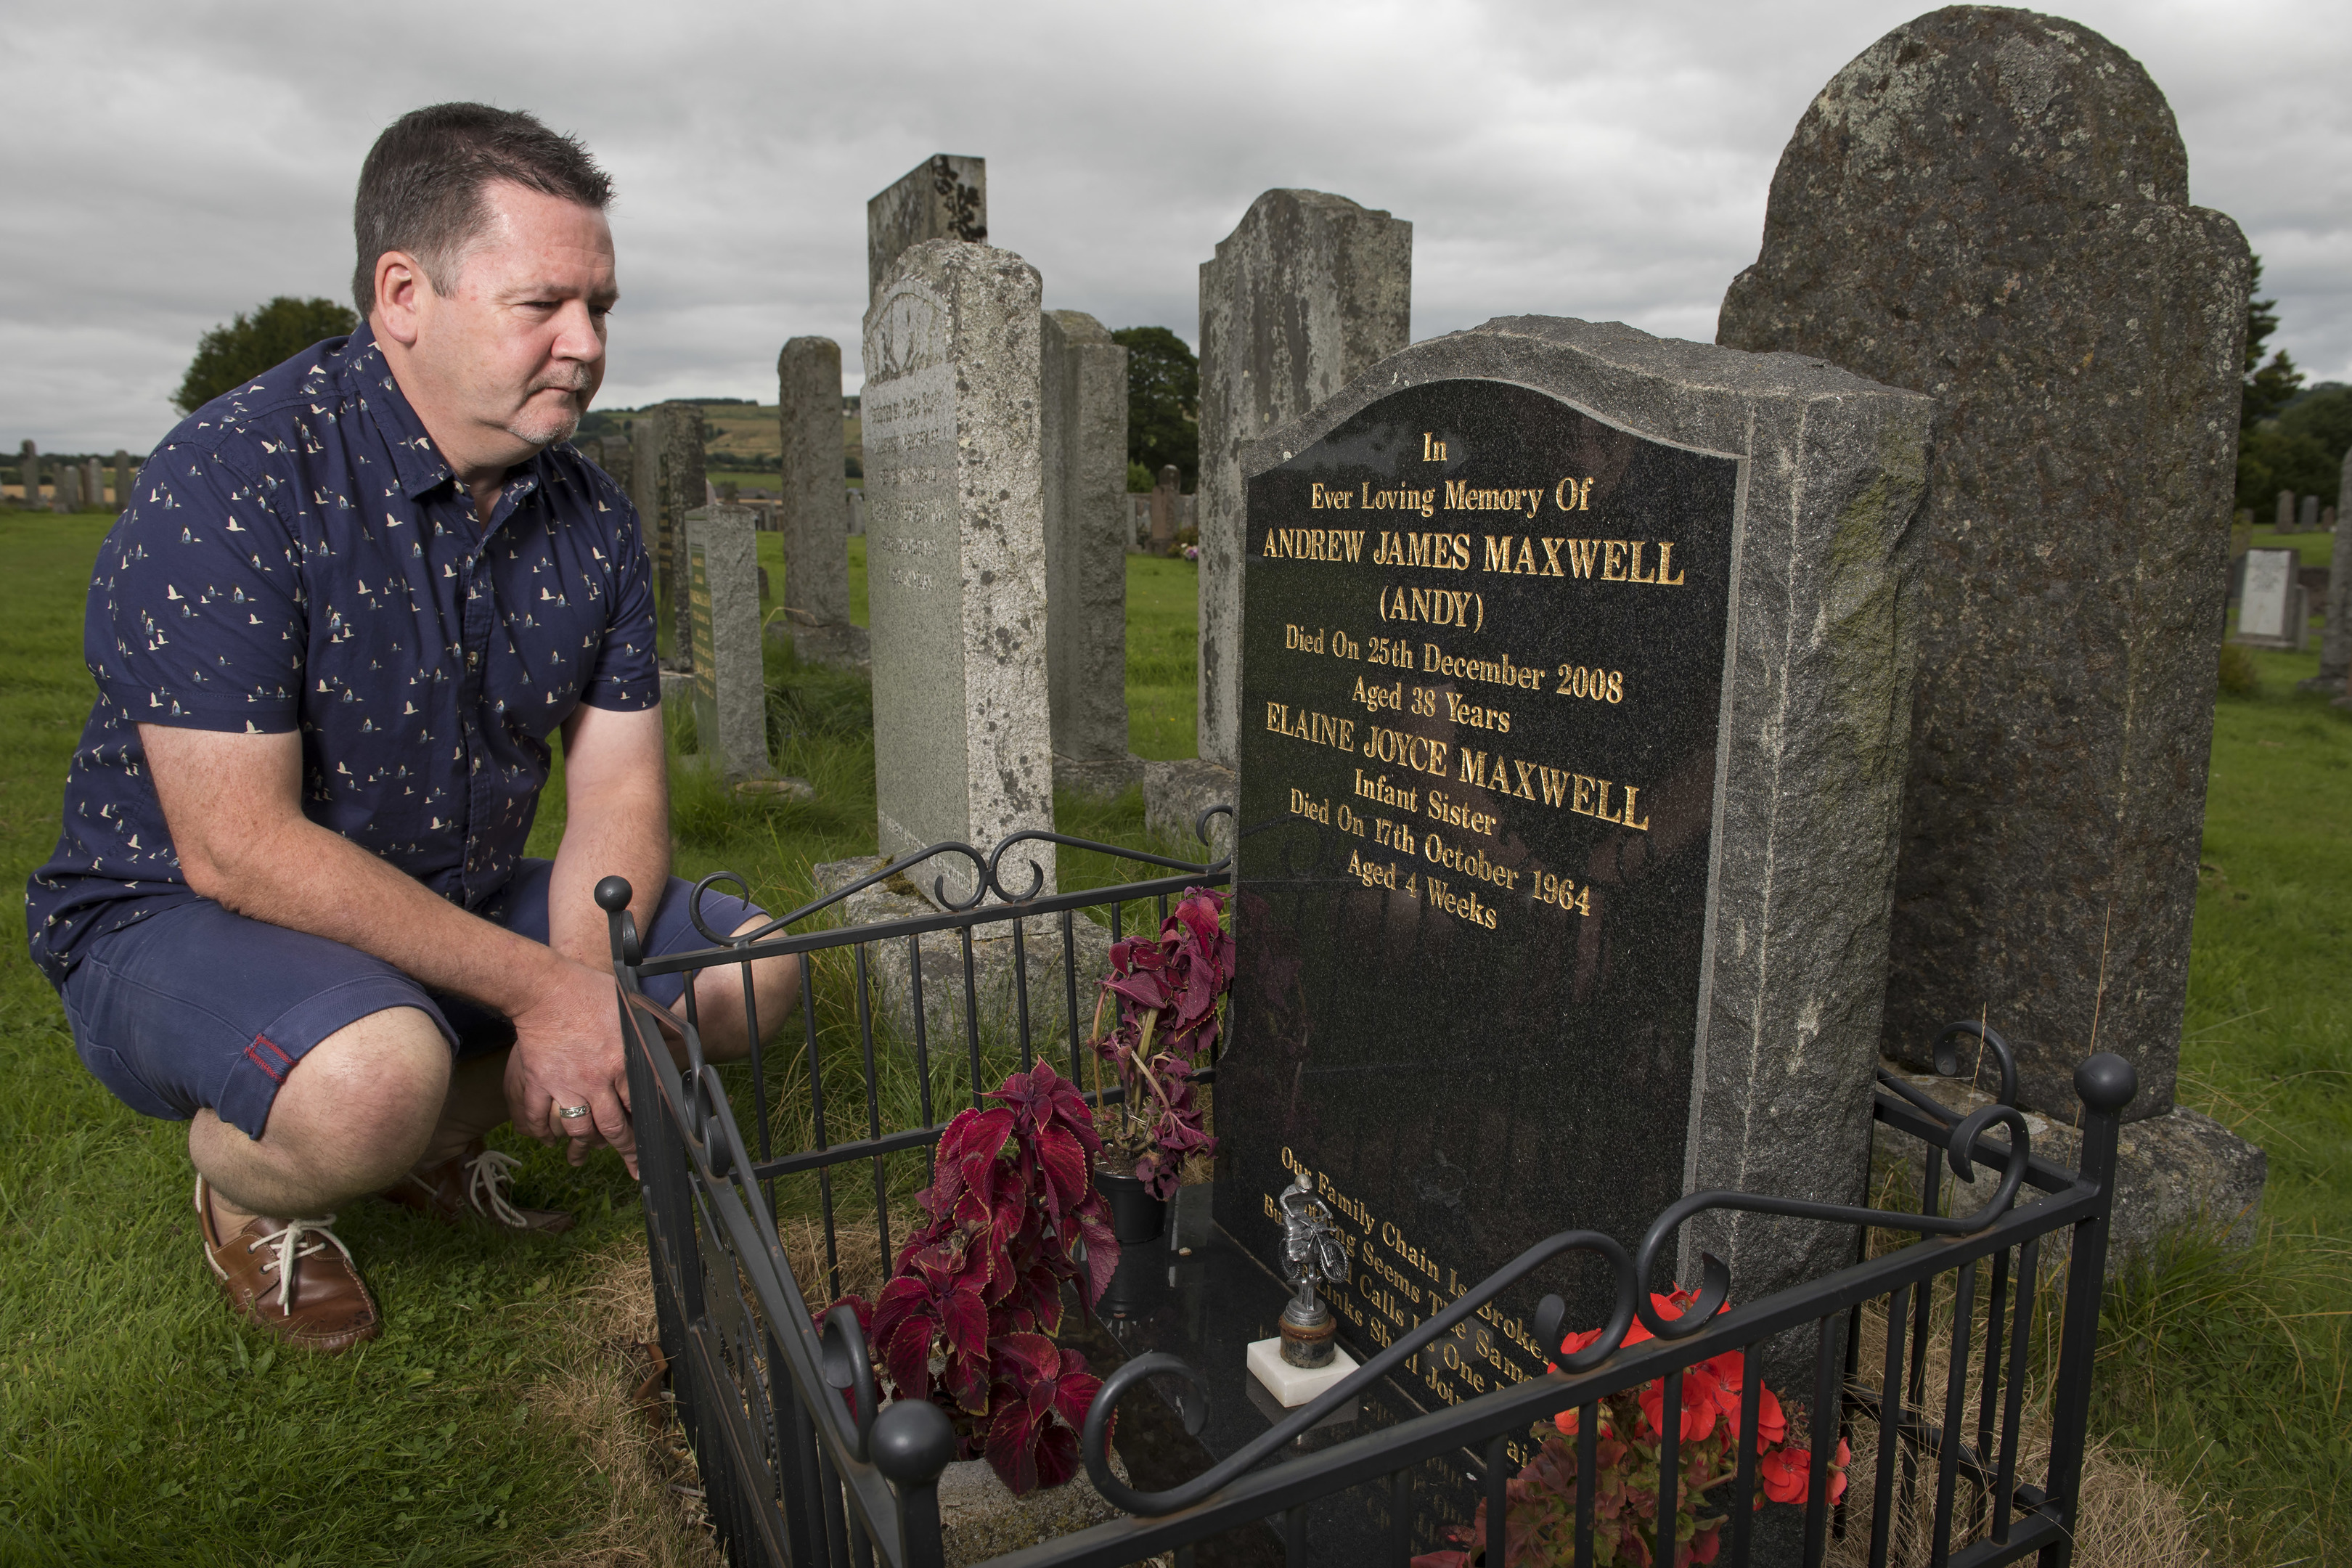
(292, 1247)
(488, 1175)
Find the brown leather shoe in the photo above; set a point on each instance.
(477, 1182)
(294, 1278)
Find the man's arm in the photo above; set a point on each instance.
(232, 802)
(615, 822)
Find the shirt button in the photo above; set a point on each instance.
(473, 659)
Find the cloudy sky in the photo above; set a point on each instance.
(167, 166)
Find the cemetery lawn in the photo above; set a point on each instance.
(139, 1423)
(2228, 1371)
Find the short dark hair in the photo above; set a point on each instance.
(421, 189)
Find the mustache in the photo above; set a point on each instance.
(576, 381)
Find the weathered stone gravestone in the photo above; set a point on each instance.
(2064, 709)
(2336, 642)
(1164, 497)
(857, 513)
(1083, 440)
(956, 551)
(67, 489)
(2284, 523)
(731, 694)
(93, 482)
(2306, 519)
(667, 482)
(814, 508)
(617, 458)
(126, 476)
(945, 196)
(1577, 666)
(2271, 606)
(1306, 293)
(28, 473)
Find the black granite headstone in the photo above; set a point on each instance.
(1484, 644)
(1573, 674)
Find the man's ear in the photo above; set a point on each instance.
(401, 288)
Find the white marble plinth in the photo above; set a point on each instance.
(1294, 1385)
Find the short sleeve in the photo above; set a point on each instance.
(627, 674)
(195, 616)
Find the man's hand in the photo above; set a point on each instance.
(567, 1052)
(233, 805)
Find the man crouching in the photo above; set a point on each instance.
(332, 635)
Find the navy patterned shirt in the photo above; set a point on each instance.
(300, 557)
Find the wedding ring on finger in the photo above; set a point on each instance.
(575, 1113)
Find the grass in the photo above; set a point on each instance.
(2227, 1370)
(139, 1424)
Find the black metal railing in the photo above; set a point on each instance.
(799, 1467)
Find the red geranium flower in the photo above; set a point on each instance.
(1786, 1474)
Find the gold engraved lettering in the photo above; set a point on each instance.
(1439, 551)
(1379, 789)
(1461, 497)
(1419, 753)
(1570, 495)
(1443, 897)
(1394, 1240)
(1600, 684)
(1456, 814)
(1561, 892)
(1344, 546)
(1477, 718)
(1619, 559)
(1471, 862)
(1316, 728)
(1437, 607)
(1554, 787)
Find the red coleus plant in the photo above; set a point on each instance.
(1167, 989)
(964, 1321)
(1541, 1528)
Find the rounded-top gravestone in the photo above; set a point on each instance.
(1991, 207)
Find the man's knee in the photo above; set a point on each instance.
(369, 1094)
(718, 999)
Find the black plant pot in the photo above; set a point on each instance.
(1135, 1215)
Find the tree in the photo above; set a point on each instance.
(1164, 402)
(233, 354)
(2271, 459)
(2269, 387)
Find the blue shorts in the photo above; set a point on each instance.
(199, 1008)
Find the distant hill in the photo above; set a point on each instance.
(738, 435)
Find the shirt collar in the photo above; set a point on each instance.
(415, 460)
